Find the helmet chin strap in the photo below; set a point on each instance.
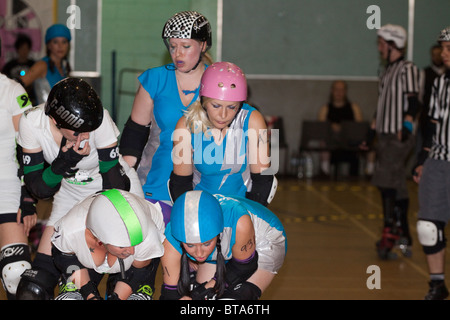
(198, 62)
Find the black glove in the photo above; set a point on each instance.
(201, 293)
(65, 162)
(421, 157)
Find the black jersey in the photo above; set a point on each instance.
(339, 114)
(398, 80)
(439, 111)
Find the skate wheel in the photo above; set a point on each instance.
(407, 253)
(384, 254)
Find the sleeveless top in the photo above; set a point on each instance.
(224, 168)
(339, 114)
(270, 236)
(42, 86)
(156, 162)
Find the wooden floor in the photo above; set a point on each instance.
(332, 227)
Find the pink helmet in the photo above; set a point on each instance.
(224, 81)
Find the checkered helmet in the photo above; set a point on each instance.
(445, 35)
(188, 25)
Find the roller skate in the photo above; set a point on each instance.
(68, 291)
(404, 245)
(438, 291)
(388, 240)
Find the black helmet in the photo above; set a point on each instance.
(188, 25)
(74, 105)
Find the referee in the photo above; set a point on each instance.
(432, 172)
(393, 123)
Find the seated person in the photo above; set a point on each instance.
(339, 109)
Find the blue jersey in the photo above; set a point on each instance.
(270, 236)
(53, 76)
(42, 86)
(156, 163)
(224, 168)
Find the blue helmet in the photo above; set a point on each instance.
(57, 30)
(196, 217)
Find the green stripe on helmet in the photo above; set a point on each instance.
(127, 214)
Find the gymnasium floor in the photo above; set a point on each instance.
(332, 227)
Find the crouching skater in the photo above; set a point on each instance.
(220, 247)
(113, 232)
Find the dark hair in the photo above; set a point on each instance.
(22, 39)
(330, 97)
(64, 61)
(184, 282)
(220, 270)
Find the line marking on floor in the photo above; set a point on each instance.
(364, 228)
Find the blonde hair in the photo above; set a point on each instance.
(196, 117)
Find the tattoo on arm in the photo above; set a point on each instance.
(262, 137)
(248, 245)
(166, 272)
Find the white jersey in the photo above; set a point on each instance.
(34, 133)
(13, 101)
(69, 237)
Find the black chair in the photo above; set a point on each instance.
(315, 136)
(353, 133)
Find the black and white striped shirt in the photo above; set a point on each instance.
(439, 111)
(398, 80)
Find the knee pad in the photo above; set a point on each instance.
(242, 291)
(431, 235)
(34, 285)
(14, 260)
(38, 283)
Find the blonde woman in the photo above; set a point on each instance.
(221, 145)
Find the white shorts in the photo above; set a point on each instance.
(71, 193)
(9, 195)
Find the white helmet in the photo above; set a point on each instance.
(119, 218)
(445, 35)
(395, 33)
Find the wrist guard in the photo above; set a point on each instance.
(263, 189)
(27, 203)
(179, 185)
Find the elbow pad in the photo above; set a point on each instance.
(116, 178)
(37, 185)
(43, 184)
(263, 189)
(428, 132)
(239, 271)
(134, 138)
(413, 106)
(179, 185)
(111, 170)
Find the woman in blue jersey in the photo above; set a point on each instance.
(45, 73)
(236, 246)
(221, 145)
(164, 93)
